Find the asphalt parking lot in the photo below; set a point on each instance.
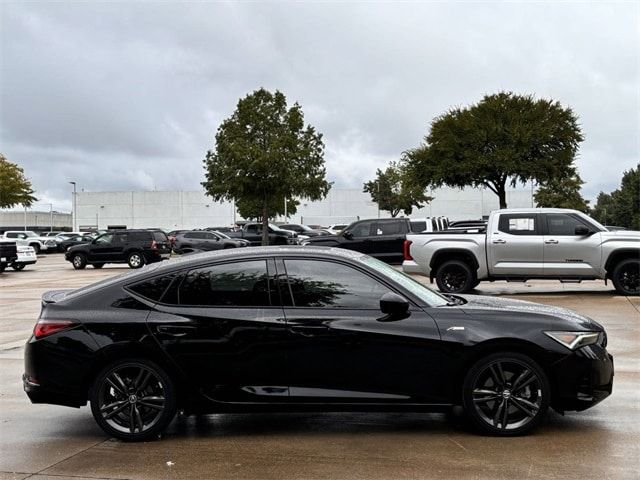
(49, 442)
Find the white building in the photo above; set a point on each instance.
(178, 210)
(40, 221)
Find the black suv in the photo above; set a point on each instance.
(134, 247)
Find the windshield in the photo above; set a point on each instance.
(30, 234)
(221, 235)
(428, 296)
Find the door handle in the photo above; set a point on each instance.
(551, 242)
(500, 241)
(175, 330)
(308, 330)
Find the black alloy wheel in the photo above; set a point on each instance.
(18, 266)
(79, 261)
(133, 400)
(626, 277)
(455, 276)
(506, 394)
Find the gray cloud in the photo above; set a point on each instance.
(128, 95)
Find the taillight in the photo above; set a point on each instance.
(154, 245)
(48, 327)
(406, 253)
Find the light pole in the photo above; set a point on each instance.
(74, 215)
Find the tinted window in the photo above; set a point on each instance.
(160, 237)
(139, 236)
(521, 224)
(154, 288)
(362, 229)
(121, 238)
(562, 224)
(104, 239)
(242, 284)
(418, 226)
(390, 228)
(315, 283)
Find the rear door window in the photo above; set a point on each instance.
(239, 284)
(519, 224)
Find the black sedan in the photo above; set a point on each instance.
(66, 244)
(187, 241)
(305, 329)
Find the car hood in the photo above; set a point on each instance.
(483, 305)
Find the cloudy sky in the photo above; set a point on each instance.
(128, 95)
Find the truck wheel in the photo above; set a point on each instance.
(36, 247)
(455, 276)
(2, 267)
(135, 260)
(79, 261)
(18, 266)
(626, 277)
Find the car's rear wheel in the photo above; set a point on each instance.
(135, 260)
(79, 261)
(626, 277)
(455, 276)
(506, 394)
(133, 400)
(36, 247)
(18, 266)
(97, 265)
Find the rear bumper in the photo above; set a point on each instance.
(410, 266)
(24, 262)
(583, 379)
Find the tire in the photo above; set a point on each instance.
(79, 261)
(97, 265)
(36, 247)
(133, 400)
(455, 276)
(488, 394)
(18, 266)
(2, 267)
(135, 260)
(626, 277)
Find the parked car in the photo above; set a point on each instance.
(8, 253)
(303, 231)
(206, 334)
(26, 255)
(520, 244)
(206, 241)
(381, 238)
(253, 233)
(336, 228)
(134, 247)
(39, 244)
(50, 234)
(67, 243)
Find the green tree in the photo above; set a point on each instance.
(562, 192)
(622, 206)
(263, 155)
(393, 191)
(505, 139)
(15, 188)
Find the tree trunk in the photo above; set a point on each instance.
(502, 196)
(265, 224)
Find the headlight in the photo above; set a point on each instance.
(574, 340)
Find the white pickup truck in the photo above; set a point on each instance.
(522, 244)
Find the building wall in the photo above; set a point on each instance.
(174, 209)
(34, 220)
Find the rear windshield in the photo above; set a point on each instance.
(159, 237)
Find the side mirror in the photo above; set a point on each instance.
(393, 304)
(348, 235)
(582, 230)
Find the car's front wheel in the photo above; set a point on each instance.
(626, 277)
(506, 394)
(135, 260)
(133, 400)
(79, 261)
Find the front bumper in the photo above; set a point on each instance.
(583, 379)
